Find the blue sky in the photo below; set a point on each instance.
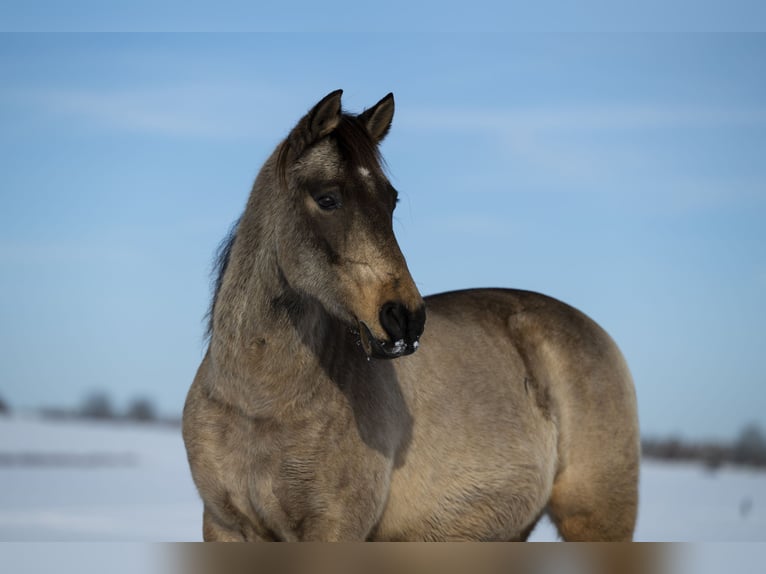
(330, 16)
(622, 173)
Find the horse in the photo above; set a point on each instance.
(325, 409)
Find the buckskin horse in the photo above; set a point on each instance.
(328, 408)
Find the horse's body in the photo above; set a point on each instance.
(313, 418)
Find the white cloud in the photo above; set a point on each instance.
(217, 111)
(592, 149)
(590, 118)
(59, 251)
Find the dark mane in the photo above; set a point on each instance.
(355, 145)
(222, 255)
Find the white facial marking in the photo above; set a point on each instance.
(364, 172)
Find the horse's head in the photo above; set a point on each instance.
(335, 240)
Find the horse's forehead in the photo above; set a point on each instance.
(322, 161)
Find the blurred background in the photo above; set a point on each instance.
(621, 173)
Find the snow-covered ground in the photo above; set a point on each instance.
(119, 482)
(146, 494)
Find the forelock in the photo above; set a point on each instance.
(355, 146)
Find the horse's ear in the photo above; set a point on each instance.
(378, 118)
(325, 116)
(319, 122)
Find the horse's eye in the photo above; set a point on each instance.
(327, 202)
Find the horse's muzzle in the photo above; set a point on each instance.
(404, 328)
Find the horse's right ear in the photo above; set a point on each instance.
(325, 116)
(319, 122)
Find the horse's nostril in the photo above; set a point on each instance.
(394, 319)
(400, 323)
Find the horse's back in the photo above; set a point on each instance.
(519, 385)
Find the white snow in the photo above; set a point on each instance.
(152, 500)
(155, 499)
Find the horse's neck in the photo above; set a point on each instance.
(262, 359)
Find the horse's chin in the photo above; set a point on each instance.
(378, 349)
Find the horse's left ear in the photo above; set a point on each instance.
(378, 118)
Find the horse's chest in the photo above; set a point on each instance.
(305, 480)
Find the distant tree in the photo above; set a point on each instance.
(667, 449)
(97, 406)
(141, 409)
(4, 408)
(750, 447)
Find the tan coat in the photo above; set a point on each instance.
(325, 410)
